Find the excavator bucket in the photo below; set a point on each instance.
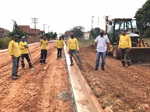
(139, 54)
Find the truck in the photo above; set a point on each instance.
(139, 52)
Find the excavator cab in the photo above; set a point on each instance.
(116, 26)
(139, 51)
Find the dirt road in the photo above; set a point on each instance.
(44, 89)
(120, 88)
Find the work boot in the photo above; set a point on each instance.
(45, 63)
(80, 62)
(71, 64)
(123, 62)
(128, 62)
(96, 69)
(103, 69)
(18, 75)
(31, 66)
(14, 77)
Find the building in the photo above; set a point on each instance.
(86, 35)
(3, 32)
(33, 35)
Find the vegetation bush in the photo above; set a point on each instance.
(4, 42)
(147, 33)
(83, 42)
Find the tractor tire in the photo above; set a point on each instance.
(116, 53)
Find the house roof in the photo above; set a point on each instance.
(87, 32)
(28, 30)
(2, 29)
(24, 28)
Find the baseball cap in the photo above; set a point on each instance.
(16, 35)
(23, 37)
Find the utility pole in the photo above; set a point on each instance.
(48, 28)
(44, 27)
(98, 22)
(92, 22)
(34, 20)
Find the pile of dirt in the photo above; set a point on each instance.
(120, 88)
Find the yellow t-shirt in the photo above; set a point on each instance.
(59, 43)
(124, 42)
(23, 49)
(73, 44)
(14, 49)
(43, 44)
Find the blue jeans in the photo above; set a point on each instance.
(71, 54)
(98, 58)
(15, 66)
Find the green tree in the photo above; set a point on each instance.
(78, 31)
(17, 30)
(143, 17)
(94, 32)
(49, 35)
(54, 35)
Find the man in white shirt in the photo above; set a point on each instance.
(101, 46)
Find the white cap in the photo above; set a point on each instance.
(23, 37)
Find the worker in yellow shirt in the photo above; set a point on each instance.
(73, 47)
(14, 51)
(24, 52)
(59, 45)
(124, 48)
(43, 44)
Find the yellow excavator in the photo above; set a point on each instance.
(140, 52)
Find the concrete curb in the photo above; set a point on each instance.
(84, 98)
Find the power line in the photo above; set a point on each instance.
(34, 20)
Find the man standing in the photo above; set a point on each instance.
(24, 52)
(101, 46)
(73, 47)
(59, 45)
(15, 53)
(124, 47)
(43, 44)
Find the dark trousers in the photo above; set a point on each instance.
(71, 55)
(28, 60)
(125, 57)
(15, 66)
(43, 56)
(59, 52)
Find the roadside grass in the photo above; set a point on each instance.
(147, 40)
(83, 42)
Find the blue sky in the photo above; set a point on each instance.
(62, 15)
